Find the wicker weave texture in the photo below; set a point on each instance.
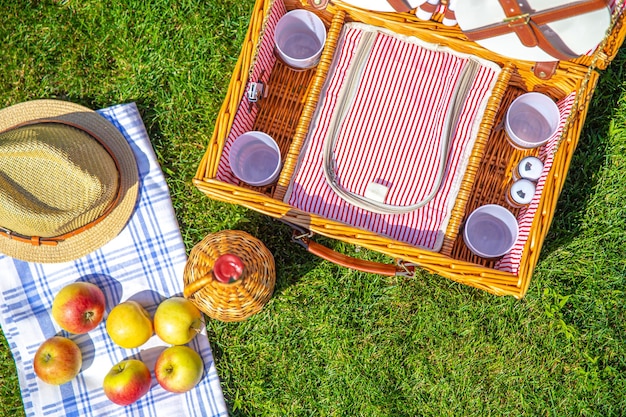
(480, 184)
(240, 299)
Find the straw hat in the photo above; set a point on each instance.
(68, 181)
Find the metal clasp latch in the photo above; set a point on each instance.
(408, 268)
(256, 91)
(520, 19)
(300, 234)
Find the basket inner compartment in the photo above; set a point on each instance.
(493, 176)
(279, 112)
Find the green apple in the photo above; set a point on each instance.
(58, 360)
(178, 369)
(129, 324)
(78, 307)
(127, 381)
(177, 321)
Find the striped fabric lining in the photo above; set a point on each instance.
(402, 227)
(511, 261)
(391, 136)
(244, 119)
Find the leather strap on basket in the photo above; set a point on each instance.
(527, 25)
(400, 6)
(449, 14)
(429, 7)
(348, 261)
(545, 70)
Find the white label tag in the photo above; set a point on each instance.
(376, 192)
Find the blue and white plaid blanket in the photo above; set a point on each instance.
(144, 262)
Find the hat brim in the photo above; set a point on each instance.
(109, 227)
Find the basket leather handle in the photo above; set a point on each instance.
(349, 261)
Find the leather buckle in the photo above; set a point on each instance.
(519, 20)
(33, 240)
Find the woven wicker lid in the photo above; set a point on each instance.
(68, 181)
(230, 275)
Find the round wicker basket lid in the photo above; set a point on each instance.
(230, 275)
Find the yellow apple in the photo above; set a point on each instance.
(129, 324)
(178, 369)
(177, 321)
(58, 360)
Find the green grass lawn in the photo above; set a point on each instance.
(334, 342)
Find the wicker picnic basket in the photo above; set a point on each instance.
(291, 102)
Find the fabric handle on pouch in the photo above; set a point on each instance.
(344, 104)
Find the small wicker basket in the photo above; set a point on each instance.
(230, 275)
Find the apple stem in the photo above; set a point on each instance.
(197, 325)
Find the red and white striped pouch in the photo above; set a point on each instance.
(391, 135)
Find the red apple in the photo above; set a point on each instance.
(58, 360)
(179, 369)
(127, 381)
(78, 307)
(177, 321)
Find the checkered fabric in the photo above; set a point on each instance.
(145, 262)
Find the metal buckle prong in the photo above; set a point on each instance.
(519, 19)
(305, 235)
(408, 268)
